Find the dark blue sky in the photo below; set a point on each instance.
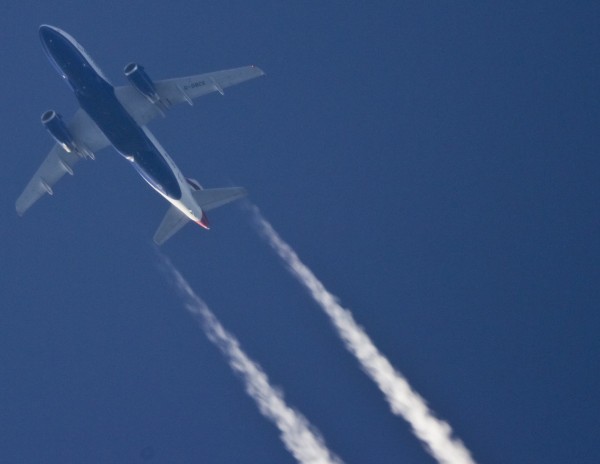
(436, 165)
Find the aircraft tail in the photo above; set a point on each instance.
(207, 199)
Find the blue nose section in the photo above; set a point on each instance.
(47, 33)
(55, 45)
(51, 39)
(63, 52)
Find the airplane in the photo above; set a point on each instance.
(117, 117)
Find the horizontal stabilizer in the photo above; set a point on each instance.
(213, 198)
(173, 221)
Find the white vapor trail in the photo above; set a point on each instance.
(403, 400)
(297, 434)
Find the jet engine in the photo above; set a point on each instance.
(53, 122)
(141, 81)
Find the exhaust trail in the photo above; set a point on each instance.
(435, 434)
(299, 437)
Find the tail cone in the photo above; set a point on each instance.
(203, 222)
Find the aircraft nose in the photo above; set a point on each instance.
(47, 33)
(44, 31)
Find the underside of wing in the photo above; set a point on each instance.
(185, 89)
(180, 90)
(60, 162)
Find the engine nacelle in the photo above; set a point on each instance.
(141, 81)
(54, 124)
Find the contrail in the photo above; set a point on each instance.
(299, 437)
(403, 400)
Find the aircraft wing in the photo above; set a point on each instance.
(181, 90)
(59, 162)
